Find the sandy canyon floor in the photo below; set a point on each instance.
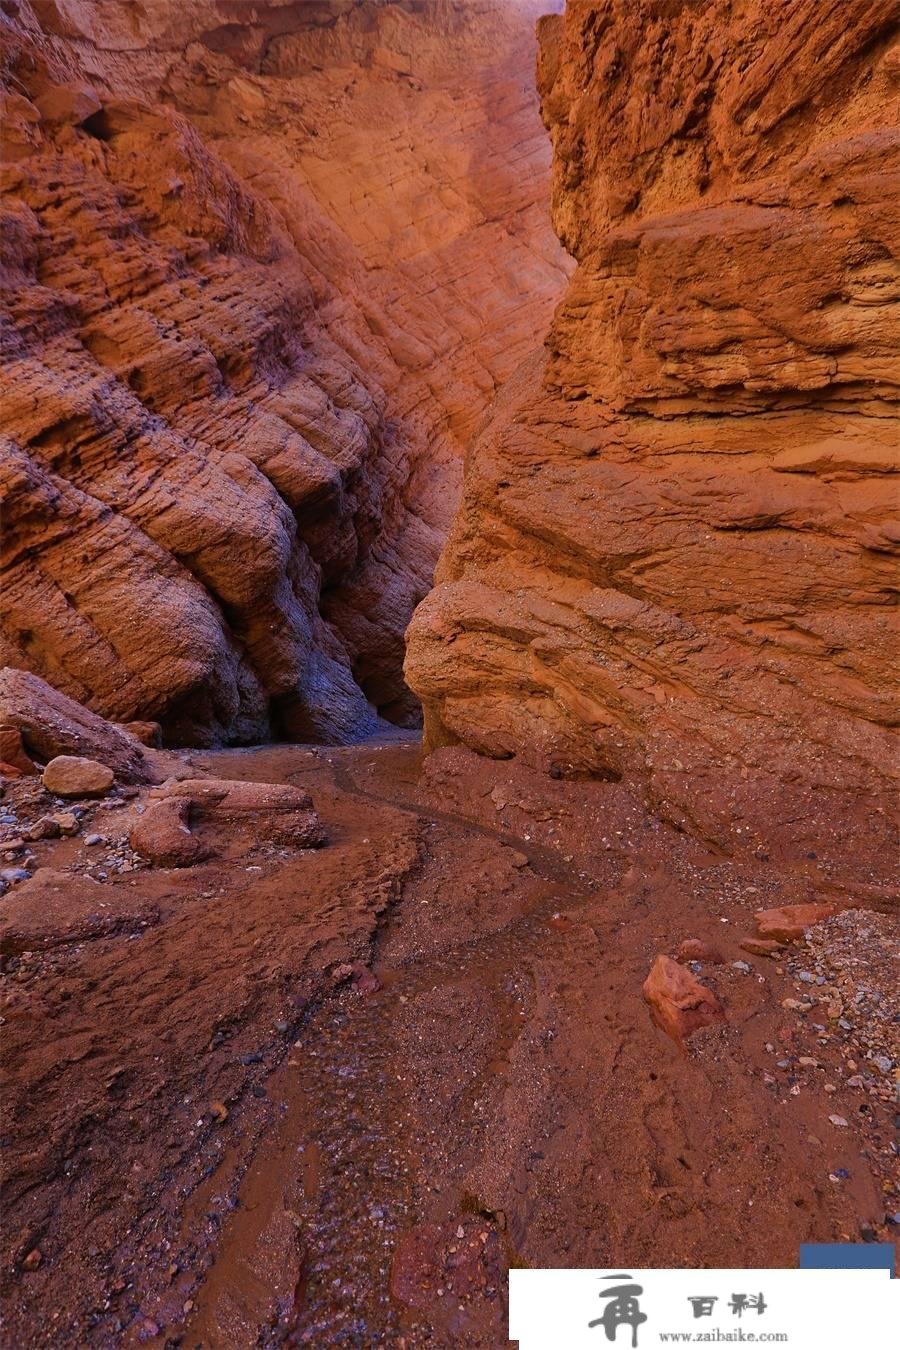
(329, 1096)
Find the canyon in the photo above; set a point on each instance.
(232, 441)
(447, 705)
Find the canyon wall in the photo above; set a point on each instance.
(262, 269)
(673, 560)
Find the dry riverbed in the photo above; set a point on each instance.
(327, 1095)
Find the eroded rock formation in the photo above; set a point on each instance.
(49, 723)
(260, 276)
(673, 558)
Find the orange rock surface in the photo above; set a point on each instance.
(673, 559)
(679, 1003)
(790, 922)
(261, 273)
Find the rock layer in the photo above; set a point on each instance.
(246, 333)
(673, 557)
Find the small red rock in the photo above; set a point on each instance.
(33, 1259)
(148, 733)
(66, 822)
(760, 946)
(679, 1003)
(693, 949)
(45, 828)
(13, 753)
(790, 922)
(365, 981)
(75, 776)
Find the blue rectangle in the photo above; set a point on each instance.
(847, 1256)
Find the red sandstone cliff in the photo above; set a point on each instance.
(673, 558)
(262, 270)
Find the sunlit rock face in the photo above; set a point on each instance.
(263, 268)
(673, 557)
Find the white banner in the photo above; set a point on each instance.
(646, 1309)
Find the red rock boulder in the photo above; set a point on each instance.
(163, 835)
(50, 724)
(275, 812)
(74, 776)
(679, 1003)
(760, 946)
(694, 949)
(189, 819)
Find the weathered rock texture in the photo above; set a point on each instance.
(262, 269)
(52, 724)
(673, 555)
(75, 776)
(239, 812)
(679, 1003)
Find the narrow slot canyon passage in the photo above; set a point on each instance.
(447, 787)
(256, 405)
